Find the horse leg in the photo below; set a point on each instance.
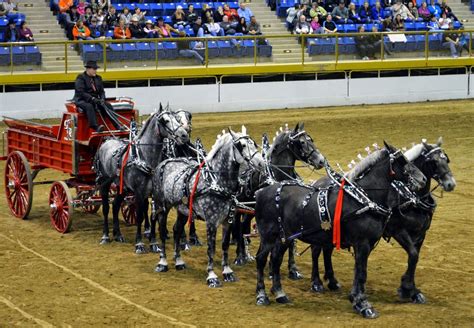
(104, 193)
(316, 282)
(147, 232)
(183, 241)
(277, 258)
(333, 284)
(358, 298)
(246, 231)
(407, 288)
(162, 217)
(212, 279)
(227, 272)
(193, 237)
(236, 228)
(178, 229)
(115, 210)
(293, 272)
(139, 205)
(262, 298)
(154, 248)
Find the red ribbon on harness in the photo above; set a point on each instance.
(122, 168)
(193, 191)
(336, 231)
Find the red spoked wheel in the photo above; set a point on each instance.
(18, 184)
(60, 206)
(129, 213)
(88, 202)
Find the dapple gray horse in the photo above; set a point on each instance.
(136, 178)
(175, 184)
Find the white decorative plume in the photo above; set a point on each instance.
(244, 130)
(360, 157)
(367, 149)
(376, 146)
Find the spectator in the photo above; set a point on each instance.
(434, 9)
(112, 18)
(444, 22)
(231, 13)
(199, 29)
(9, 6)
(353, 14)
(451, 41)
(413, 10)
(301, 11)
(377, 12)
(192, 15)
(3, 11)
(81, 7)
(242, 26)
(400, 9)
(424, 12)
(315, 25)
(150, 30)
(214, 28)
(398, 24)
(329, 26)
(103, 5)
(71, 18)
(254, 26)
(206, 13)
(341, 13)
(164, 30)
(179, 17)
(184, 48)
(136, 30)
(388, 25)
(463, 39)
(291, 18)
(25, 32)
(126, 15)
(140, 15)
(122, 32)
(226, 26)
(446, 9)
(96, 29)
(88, 15)
(100, 17)
(302, 27)
(65, 5)
(80, 31)
(219, 14)
(244, 12)
(317, 10)
(12, 34)
(376, 41)
(364, 13)
(433, 25)
(364, 48)
(330, 5)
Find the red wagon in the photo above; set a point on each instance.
(69, 148)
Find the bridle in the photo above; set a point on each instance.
(236, 143)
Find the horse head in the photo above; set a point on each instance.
(403, 170)
(302, 145)
(168, 126)
(185, 118)
(245, 150)
(437, 164)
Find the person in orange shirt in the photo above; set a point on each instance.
(64, 5)
(122, 31)
(80, 31)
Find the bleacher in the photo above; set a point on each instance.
(17, 53)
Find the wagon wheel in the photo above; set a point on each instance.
(18, 184)
(129, 213)
(89, 208)
(60, 206)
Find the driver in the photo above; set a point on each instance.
(90, 97)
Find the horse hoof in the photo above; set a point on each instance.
(147, 233)
(154, 248)
(194, 241)
(240, 261)
(317, 287)
(334, 286)
(229, 277)
(369, 313)
(213, 283)
(263, 300)
(119, 239)
(140, 248)
(419, 298)
(180, 267)
(233, 242)
(283, 300)
(295, 275)
(249, 258)
(104, 240)
(161, 268)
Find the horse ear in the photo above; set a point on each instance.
(231, 132)
(161, 108)
(390, 148)
(244, 130)
(439, 142)
(301, 126)
(297, 127)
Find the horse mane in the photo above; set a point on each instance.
(365, 164)
(145, 126)
(283, 131)
(220, 142)
(414, 152)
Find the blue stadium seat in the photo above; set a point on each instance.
(212, 49)
(237, 51)
(169, 8)
(4, 55)
(130, 51)
(115, 52)
(171, 49)
(388, 12)
(19, 56)
(225, 48)
(233, 5)
(109, 34)
(197, 6)
(420, 42)
(91, 52)
(350, 28)
(218, 4)
(158, 46)
(420, 26)
(248, 48)
(265, 50)
(435, 41)
(210, 5)
(144, 51)
(167, 19)
(3, 22)
(409, 26)
(457, 25)
(321, 45)
(144, 7)
(411, 43)
(156, 9)
(183, 4)
(349, 45)
(340, 28)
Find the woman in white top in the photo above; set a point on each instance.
(214, 28)
(444, 22)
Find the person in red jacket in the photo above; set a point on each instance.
(122, 32)
(80, 31)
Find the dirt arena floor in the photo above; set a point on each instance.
(49, 279)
